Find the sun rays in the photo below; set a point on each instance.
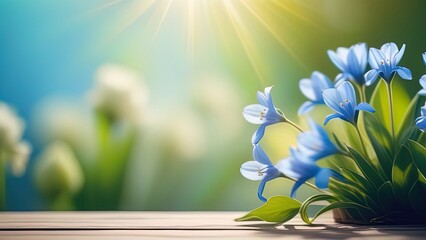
(235, 18)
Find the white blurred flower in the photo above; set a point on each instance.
(12, 149)
(119, 93)
(187, 135)
(65, 119)
(221, 101)
(57, 171)
(184, 134)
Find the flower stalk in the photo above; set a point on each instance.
(390, 100)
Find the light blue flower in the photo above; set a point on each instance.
(315, 144)
(263, 113)
(351, 61)
(343, 101)
(302, 168)
(261, 169)
(421, 121)
(423, 79)
(384, 64)
(312, 88)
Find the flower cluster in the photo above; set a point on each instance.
(12, 149)
(341, 98)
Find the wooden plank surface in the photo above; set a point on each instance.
(183, 225)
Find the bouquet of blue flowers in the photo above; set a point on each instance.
(377, 175)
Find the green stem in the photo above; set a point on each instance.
(294, 125)
(361, 91)
(421, 137)
(363, 94)
(361, 140)
(390, 99)
(308, 184)
(314, 187)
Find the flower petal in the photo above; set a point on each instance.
(424, 58)
(404, 73)
(284, 166)
(347, 100)
(260, 155)
(353, 63)
(423, 81)
(252, 113)
(389, 50)
(375, 56)
(307, 89)
(261, 98)
(322, 177)
(306, 107)
(371, 76)
(296, 186)
(361, 51)
(336, 60)
(332, 98)
(340, 78)
(398, 55)
(365, 107)
(260, 190)
(421, 123)
(252, 170)
(258, 135)
(331, 116)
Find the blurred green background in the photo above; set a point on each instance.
(195, 65)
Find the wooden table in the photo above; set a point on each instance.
(183, 225)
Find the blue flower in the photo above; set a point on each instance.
(263, 113)
(423, 79)
(261, 169)
(302, 168)
(315, 144)
(421, 121)
(384, 64)
(351, 61)
(343, 101)
(312, 88)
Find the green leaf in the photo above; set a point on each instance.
(417, 198)
(419, 156)
(277, 209)
(401, 99)
(379, 101)
(363, 183)
(339, 144)
(346, 191)
(385, 193)
(351, 192)
(367, 169)
(408, 127)
(346, 205)
(381, 141)
(404, 174)
(319, 197)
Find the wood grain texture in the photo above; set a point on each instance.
(183, 225)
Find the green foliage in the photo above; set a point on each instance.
(367, 168)
(404, 175)
(386, 182)
(419, 156)
(278, 209)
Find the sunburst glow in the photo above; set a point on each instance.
(238, 22)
